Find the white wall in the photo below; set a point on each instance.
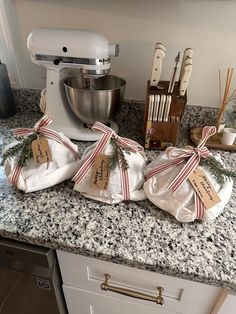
(209, 27)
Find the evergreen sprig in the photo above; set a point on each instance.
(217, 170)
(118, 157)
(22, 150)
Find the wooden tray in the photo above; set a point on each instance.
(213, 142)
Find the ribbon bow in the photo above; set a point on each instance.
(40, 128)
(195, 155)
(179, 155)
(89, 161)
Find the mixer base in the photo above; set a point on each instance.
(86, 125)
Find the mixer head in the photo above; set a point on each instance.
(60, 48)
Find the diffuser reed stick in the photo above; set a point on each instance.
(226, 97)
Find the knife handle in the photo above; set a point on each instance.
(150, 107)
(167, 108)
(185, 78)
(188, 53)
(156, 107)
(160, 46)
(161, 108)
(159, 54)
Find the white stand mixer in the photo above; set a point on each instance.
(61, 52)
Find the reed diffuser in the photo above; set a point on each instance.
(220, 121)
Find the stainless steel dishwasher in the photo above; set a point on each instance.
(30, 281)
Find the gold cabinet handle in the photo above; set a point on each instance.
(132, 293)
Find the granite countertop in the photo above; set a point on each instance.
(137, 234)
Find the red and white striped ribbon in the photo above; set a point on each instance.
(88, 162)
(195, 155)
(178, 156)
(40, 128)
(200, 208)
(15, 175)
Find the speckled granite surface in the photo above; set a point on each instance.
(135, 234)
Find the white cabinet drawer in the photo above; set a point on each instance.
(179, 294)
(80, 301)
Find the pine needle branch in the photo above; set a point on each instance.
(118, 158)
(217, 170)
(21, 150)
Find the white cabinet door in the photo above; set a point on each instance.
(80, 301)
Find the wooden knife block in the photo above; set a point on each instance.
(160, 135)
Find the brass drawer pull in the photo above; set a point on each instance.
(132, 293)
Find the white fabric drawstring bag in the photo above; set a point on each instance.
(168, 188)
(124, 184)
(33, 176)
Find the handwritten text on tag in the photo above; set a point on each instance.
(203, 188)
(41, 151)
(100, 172)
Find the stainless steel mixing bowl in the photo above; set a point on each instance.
(95, 99)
